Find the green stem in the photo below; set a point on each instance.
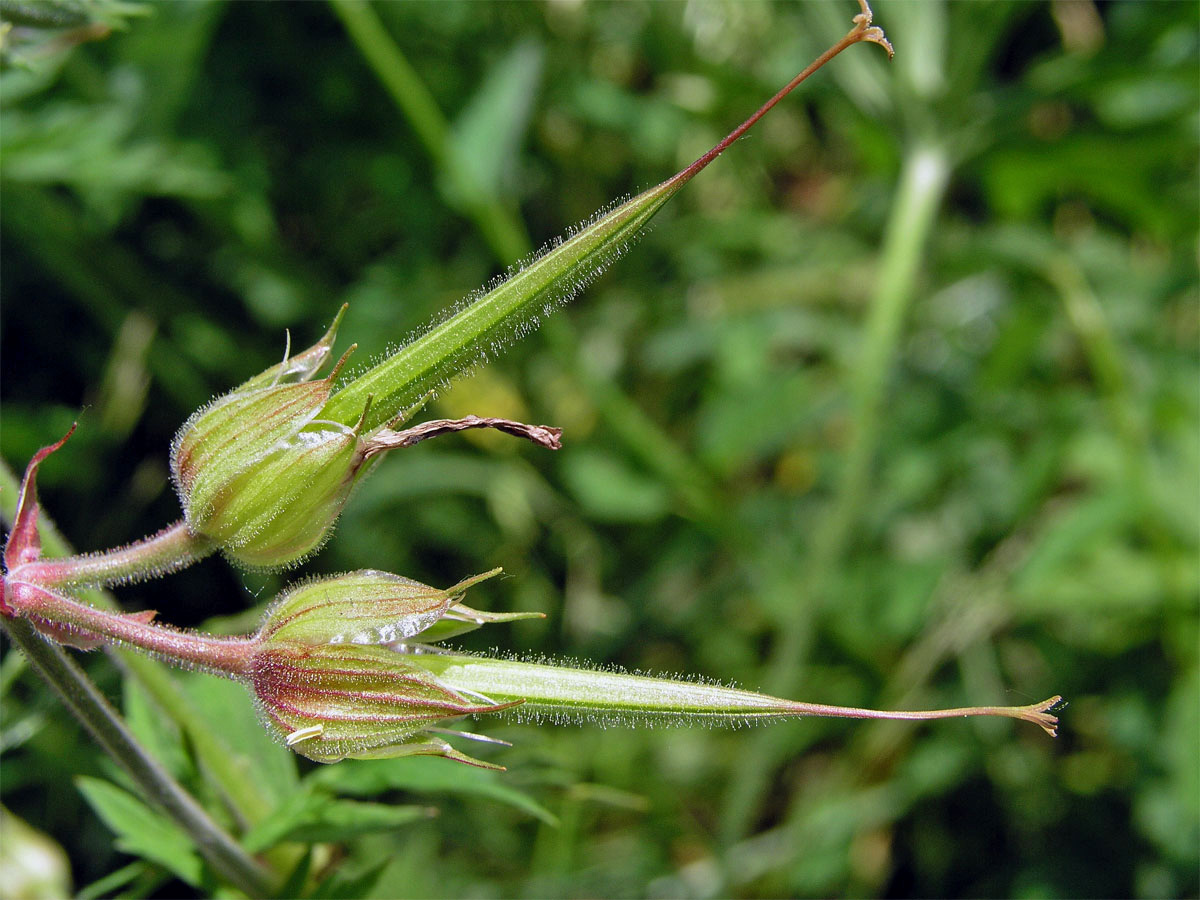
(499, 227)
(242, 793)
(923, 183)
(400, 79)
(103, 722)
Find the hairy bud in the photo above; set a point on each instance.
(327, 683)
(258, 474)
(364, 607)
(336, 701)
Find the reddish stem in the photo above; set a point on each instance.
(173, 548)
(228, 656)
(1037, 713)
(862, 31)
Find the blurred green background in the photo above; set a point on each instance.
(898, 405)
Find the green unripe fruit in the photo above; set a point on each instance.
(364, 607)
(330, 687)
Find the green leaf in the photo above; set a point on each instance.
(112, 881)
(157, 733)
(367, 778)
(315, 817)
(486, 137)
(463, 619)
(141, 831)
(610, 490)
(293, 885)
(350, 887)
(228, 711)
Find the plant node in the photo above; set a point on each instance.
(868, 32)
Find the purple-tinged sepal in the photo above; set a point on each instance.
(337, 701)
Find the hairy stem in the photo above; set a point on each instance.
(219, 655)
(173, 548)
(862, 31)
(242, 794)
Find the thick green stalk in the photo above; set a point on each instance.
(103, 722)
(534, 289)
(594, 694)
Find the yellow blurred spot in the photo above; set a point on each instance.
(488, 392)
(796, 471)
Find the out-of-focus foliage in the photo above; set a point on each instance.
(1013, 514)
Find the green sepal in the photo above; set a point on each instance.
(427, 745)
(363, 607)
(302, 366)
(278, 509)
(234, 431)
(462, 619)
(255, 470)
